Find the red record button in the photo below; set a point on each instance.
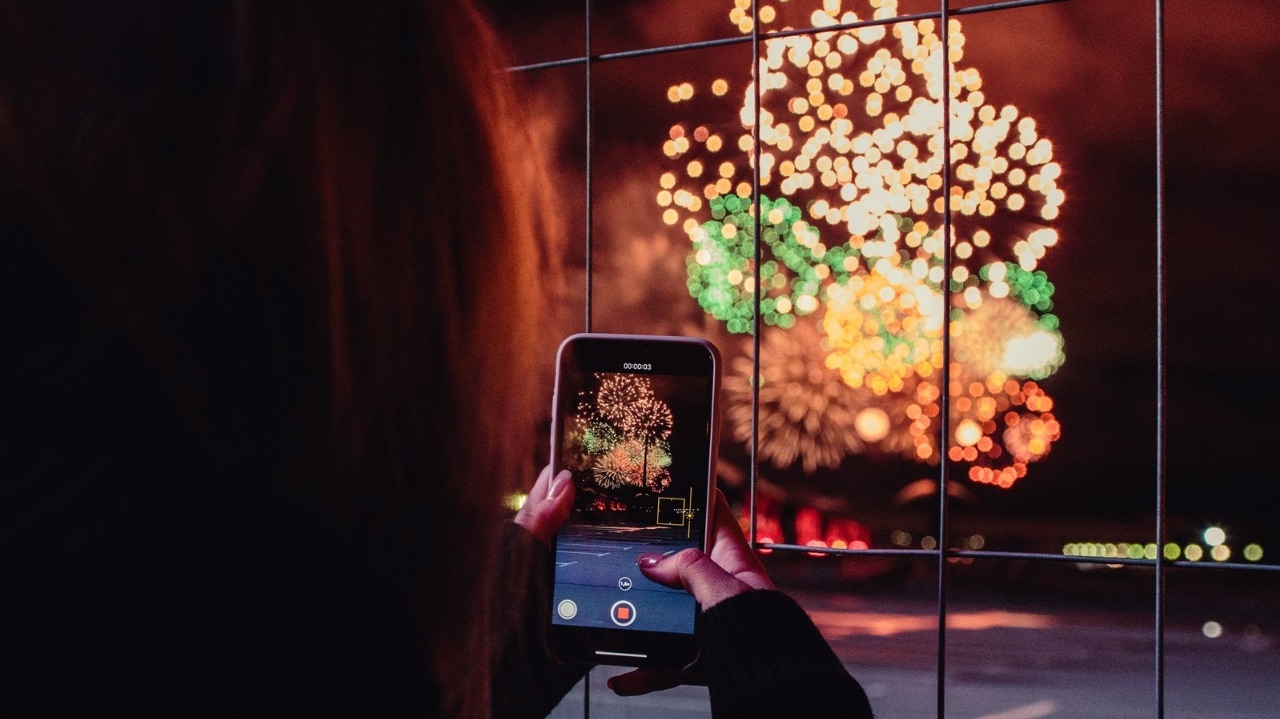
(623, 613)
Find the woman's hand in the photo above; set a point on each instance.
(547, 506)
(730, 569)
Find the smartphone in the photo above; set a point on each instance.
(635, 421)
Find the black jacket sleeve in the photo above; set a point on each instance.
(763, 657)
(528, 682)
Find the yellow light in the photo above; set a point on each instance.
(872, 424)
(1030, 354)
(1193, 552)
(1220, 553)
(515, 501)
(1253, 552)
(968, 433)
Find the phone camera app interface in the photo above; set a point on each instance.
(637, 446)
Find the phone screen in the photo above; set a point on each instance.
(635, 430)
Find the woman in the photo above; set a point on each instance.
(271, 280)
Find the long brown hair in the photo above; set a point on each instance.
(366, 158)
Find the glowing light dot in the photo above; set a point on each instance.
(719, 87)
(968, 433)
(1253, 552)
(1213, 536)
(1220, 553)
(670, 216)
(1212, 630)
(872, 424)
(1193, 552)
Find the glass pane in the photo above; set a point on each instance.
(662, 125)
(1050, 639)
(1224, 206)
(880, 617)
(539, 31)
(1061, 300)
(1222, 643)
(631, 26)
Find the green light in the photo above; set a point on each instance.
(1253, 552)
(721, 266)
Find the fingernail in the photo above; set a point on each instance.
(649, 560)
(559, 484)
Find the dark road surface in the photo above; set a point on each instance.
(1015, 664)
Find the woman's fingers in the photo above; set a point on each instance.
(645, 680)
(547, 506)
(730, 550)
(693, 571)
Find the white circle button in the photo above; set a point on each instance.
(567, 609)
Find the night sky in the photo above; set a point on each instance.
(1085, 69)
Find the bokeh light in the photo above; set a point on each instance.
(850, 159)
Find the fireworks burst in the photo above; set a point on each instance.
(618, 395)
(850, 150)
(633, 463)
(807, 412)
(618, 434)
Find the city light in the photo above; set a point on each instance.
(1220, 552)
